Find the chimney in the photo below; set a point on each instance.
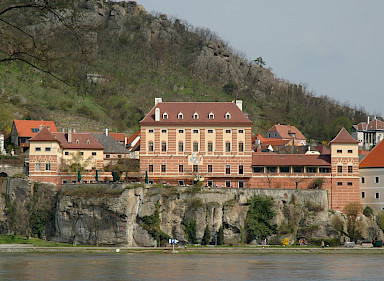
(74, 130)
(368, 120)
(239, 104)
(41, 127)
(106, 131)
(125, 141)
(69, 136)
(157, 114)
(157, 100)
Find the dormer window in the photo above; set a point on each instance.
(77, 141)
(211, 116)
(195, 115)
(180, 115)
(227, 115)
(88, 141)
(165, 115)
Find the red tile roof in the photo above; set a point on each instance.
(285, 132)
(79, 140)
(343, 137)
(322, 149)
(375, 158)
(24, 127)
(133, 137)
(120, 137)
(203, 109)
(270, 159)
(375, 125)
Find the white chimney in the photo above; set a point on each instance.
(157, 114)
(125, 141)
(69, 135)
(41, 127)
(157, 100)
(239, 104)
(106, 132)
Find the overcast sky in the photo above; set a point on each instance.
(334, 47)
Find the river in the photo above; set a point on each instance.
(123, 266)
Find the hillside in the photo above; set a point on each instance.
(100, 64)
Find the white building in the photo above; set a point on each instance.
(368, 133)
(2, 143)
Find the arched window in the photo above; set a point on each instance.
(180, 115)
(227, 115)
(165, 115)
(88, 141)
(77, 141)
(211, 116)
(195, 115)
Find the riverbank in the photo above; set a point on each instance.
(22, 248)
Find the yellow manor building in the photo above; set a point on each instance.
(185, 142)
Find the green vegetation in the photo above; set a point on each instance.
(368, 212)
(190, 230)
(151, 224)
(17, 239)
(91, 191)
(220, 236)
(259, 216)
(206, 237)
(380, 220)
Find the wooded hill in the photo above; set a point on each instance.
(94, 64)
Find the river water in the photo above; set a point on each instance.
(122, 266)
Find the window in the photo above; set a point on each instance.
(150, 131)
(350, 151)
(38, 148)
(284, 169)
(339, 183)
(324, 170)
(195, 168)
(66, 153)
(38, 166)
(228, 131)
(228, 169)
(93, 153)
(350, 169)
(210, 147)
(180, 115)
(150, 146)
(163, 168)
(258, 169)
(241, 169)
(363, 194)
(165, 115)
(362, 180)
(181, 168)
(210, 168)
(195, 146)
(181, 183)
(311, 169)
(150, 168)
(195, 115)
(163, 146)
(88, 141)
(47, 149)
(82, 153)
(271, 169)
(377, 179)
(298, 169)
(181, 131)
(181, 146)
(227, 183)
(227, 146)
(48, 166)
(35, 130)
(339, 169)
(107, 156)
(119, 156)
(241, 146)
(164, 131)
(241, 131)
(211, 116)
(241, 184)
(210, 183)
(195, 131)
(349, 184)
(210, 131)
(77, 141)
(339, 151)
(227, 115)
(377, 195)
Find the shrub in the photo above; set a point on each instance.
(220, 236)
(368, 212)
(380, 220)
(207, 236)
(190, 230)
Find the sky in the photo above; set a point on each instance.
(333, 47)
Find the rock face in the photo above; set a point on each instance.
(117, 214)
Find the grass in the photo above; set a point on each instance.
(16, 239)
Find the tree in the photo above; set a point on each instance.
(190, 230)
(351, 210)
(258, 222)
(206, 237)
(380, 220)
(220, 236)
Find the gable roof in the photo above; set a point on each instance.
(43, 135)
(24, 127)
(376, 124)
(285, 132)
(203, 109)
(375, 158)
(120, 137)
(343, 137)
(271, 159)
(85, 141)
(322, 149)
